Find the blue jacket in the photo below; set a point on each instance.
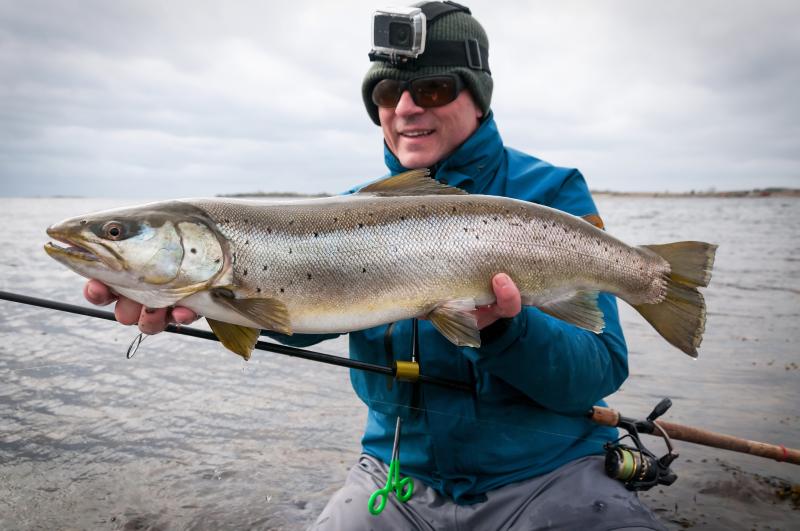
(533, 382)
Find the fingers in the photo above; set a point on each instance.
(509, 300)
(127, 311)
(183, 315)
(152, 320)
(98, 293)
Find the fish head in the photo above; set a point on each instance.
(168, 246)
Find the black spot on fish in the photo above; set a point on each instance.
(495, 218)
(454, 210)
(369, 214)
(269, 230)
(308, 275)
(290, 250)
(465, 229)
(282, 290)
(193, 250)
(335, 220)
(258, 290)
(265, 268)
(246, 220)
(244, 273)
(216, 261)
(247, 242)
(402, 218)
(84, 222)
(316, 234)
(363, 269)
(360, 225)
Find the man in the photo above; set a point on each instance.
(518, 453)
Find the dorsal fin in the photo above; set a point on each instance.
(413, 182)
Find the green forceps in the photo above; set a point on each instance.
(403, 488)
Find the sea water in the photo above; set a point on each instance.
(188, 436)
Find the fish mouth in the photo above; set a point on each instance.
(73, 250)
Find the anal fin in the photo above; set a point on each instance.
(236, 338)
(455, 321)
(579, 309)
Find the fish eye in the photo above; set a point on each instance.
(113, 231)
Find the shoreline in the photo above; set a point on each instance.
(755, 193)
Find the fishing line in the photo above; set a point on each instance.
(133, 348)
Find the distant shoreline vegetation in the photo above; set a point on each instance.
(757, 192)
(286, 195)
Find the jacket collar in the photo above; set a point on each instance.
(471, 167)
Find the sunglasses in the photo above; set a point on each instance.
(426, 91)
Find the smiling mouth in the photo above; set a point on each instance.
(417, 134)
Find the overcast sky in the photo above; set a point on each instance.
(194, 98)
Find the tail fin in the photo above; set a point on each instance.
(681, 317)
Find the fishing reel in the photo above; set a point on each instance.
(636, 466)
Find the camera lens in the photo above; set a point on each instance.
(400, 34)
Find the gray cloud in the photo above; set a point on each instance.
(168, 99)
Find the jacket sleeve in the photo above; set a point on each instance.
(557, 365)
(298, 340)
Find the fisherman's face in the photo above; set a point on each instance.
(421, 137)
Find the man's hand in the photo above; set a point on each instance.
(508, 303)
(128, 312)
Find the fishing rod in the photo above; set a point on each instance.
(639, 469)
(610, 417)
(403, 371)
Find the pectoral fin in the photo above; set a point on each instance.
(455, 321)
(236, 338)
(579, 309)
(270, 314)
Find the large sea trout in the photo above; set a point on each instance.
(402, 247)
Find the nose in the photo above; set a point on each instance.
(406, 105)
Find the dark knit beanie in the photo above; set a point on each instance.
(453, 26)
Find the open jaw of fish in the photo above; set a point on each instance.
(402, 247)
